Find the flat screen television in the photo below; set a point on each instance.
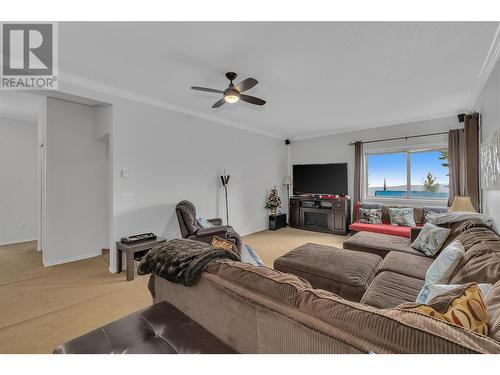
(320, 178)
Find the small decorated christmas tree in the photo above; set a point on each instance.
(273, 201)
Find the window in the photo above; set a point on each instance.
(408, 174)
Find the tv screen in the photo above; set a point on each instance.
(320, 178)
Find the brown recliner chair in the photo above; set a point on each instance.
(186, 214)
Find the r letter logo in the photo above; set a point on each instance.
(29, 56)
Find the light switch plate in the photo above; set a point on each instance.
(127, 196)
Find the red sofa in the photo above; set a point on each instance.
(386, 227)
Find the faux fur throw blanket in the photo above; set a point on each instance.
(182, 261)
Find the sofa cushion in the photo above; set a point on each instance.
(343, 272)
(492, 301)
(380, 244)
(475, 235)
(390, 289)
(387, 331)
(393, 230)
(280, 286)
(481, 264)
(406, 264)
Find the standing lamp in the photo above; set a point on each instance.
(287, 180)
(225, 181)
(462, 203)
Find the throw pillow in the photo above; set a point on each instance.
(463, 306)
(370, 216)
(442, 268)
(248, 255)
(429, 291)
(223, 244)
(492, 301)
(430, 239)
(204, 223)
(402, 217)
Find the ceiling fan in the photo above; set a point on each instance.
(234, 92)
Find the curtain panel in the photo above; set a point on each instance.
(358, 172)
(463, 158)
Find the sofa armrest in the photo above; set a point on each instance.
(215, 221)
(415, 231)
(211, 231)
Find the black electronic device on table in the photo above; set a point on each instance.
(138, 238)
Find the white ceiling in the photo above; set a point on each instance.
(21, 106)
(316, 77)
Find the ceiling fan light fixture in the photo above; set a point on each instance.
(231, 97)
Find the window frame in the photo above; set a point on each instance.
(408, 151)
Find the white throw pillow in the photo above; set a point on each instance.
(429, 291)
(443, 266)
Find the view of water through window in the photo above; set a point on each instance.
(388, 174)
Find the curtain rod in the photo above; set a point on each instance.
(397, 138)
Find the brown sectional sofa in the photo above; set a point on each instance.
(402, 273)
(261, 310)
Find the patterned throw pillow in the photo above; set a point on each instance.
(430, 239)
(370, 216)
(402, 217)
(463, 307)
(223, 244)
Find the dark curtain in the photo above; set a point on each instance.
(358, 170)
(463, 158)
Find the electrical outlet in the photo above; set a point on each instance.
(22, 226)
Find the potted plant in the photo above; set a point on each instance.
(273, 201)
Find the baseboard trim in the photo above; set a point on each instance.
(48, 263)
(18, 241)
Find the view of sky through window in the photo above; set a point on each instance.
(387, 174)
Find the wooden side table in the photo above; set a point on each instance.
(130, 250)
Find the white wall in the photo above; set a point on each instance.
(171, 156)
(336, 148)
(488, 105)
(18, 183)
(76, 184)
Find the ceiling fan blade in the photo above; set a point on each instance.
(206, 89)
(219, 103)
(252, 99)
(246, 84)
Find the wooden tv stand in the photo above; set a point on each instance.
(328, 215)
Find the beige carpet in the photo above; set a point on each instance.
(270, 245)
(42, 307)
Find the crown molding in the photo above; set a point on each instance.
(488, 65)
(139, 98)
(371, 126)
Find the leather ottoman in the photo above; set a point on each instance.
(158, 329)
(343, 272)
